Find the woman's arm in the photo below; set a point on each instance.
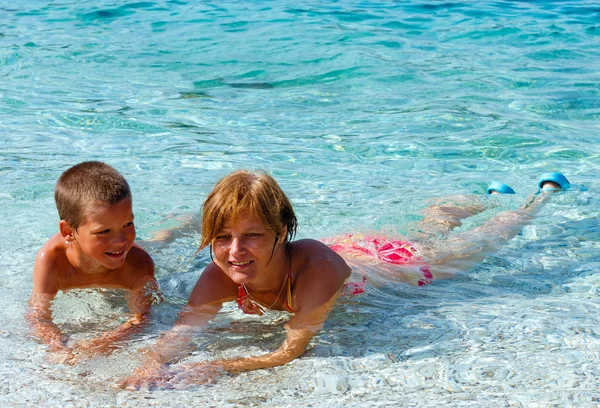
(188, 225)
(316, 290)
(170, 347)
(298, 332)
(212, 289)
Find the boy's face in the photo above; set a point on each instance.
(107, 234)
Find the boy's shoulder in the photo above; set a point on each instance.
(51, 264)
(53, 253)
(139, 257)
(139, 264)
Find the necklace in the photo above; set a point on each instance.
(276, 299)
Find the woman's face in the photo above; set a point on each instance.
(244, 248)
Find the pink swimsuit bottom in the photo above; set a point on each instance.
(395, 252)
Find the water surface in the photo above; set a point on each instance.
(362, 111)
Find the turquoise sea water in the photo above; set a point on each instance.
(362, 111)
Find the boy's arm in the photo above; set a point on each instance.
(39, 316)
(45, 288)
(144, 293)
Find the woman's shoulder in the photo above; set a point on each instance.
(309, 248)
(315, 255)
(319, 271)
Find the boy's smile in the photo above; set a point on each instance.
(104, 239)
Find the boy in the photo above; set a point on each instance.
(93, 248)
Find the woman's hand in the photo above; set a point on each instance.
(186, 375)
(151, 374)
(155, 375)
(62, 355)
(88, 349)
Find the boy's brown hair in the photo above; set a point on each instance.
(254, 192)
(86, 183)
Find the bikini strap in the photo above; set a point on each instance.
(288, 299)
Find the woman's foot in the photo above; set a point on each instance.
(552, 182)
(496, 187)
(550, 186)
(547, 183)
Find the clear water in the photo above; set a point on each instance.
(362, 110)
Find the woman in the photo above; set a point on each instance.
(248, 223)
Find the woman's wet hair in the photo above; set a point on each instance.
(85, 184)
(251, 192)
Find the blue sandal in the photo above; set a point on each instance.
(501, 188)
(555, 177)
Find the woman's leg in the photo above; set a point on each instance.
(444, 215)
(462, 251)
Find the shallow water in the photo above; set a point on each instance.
(362, 111)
